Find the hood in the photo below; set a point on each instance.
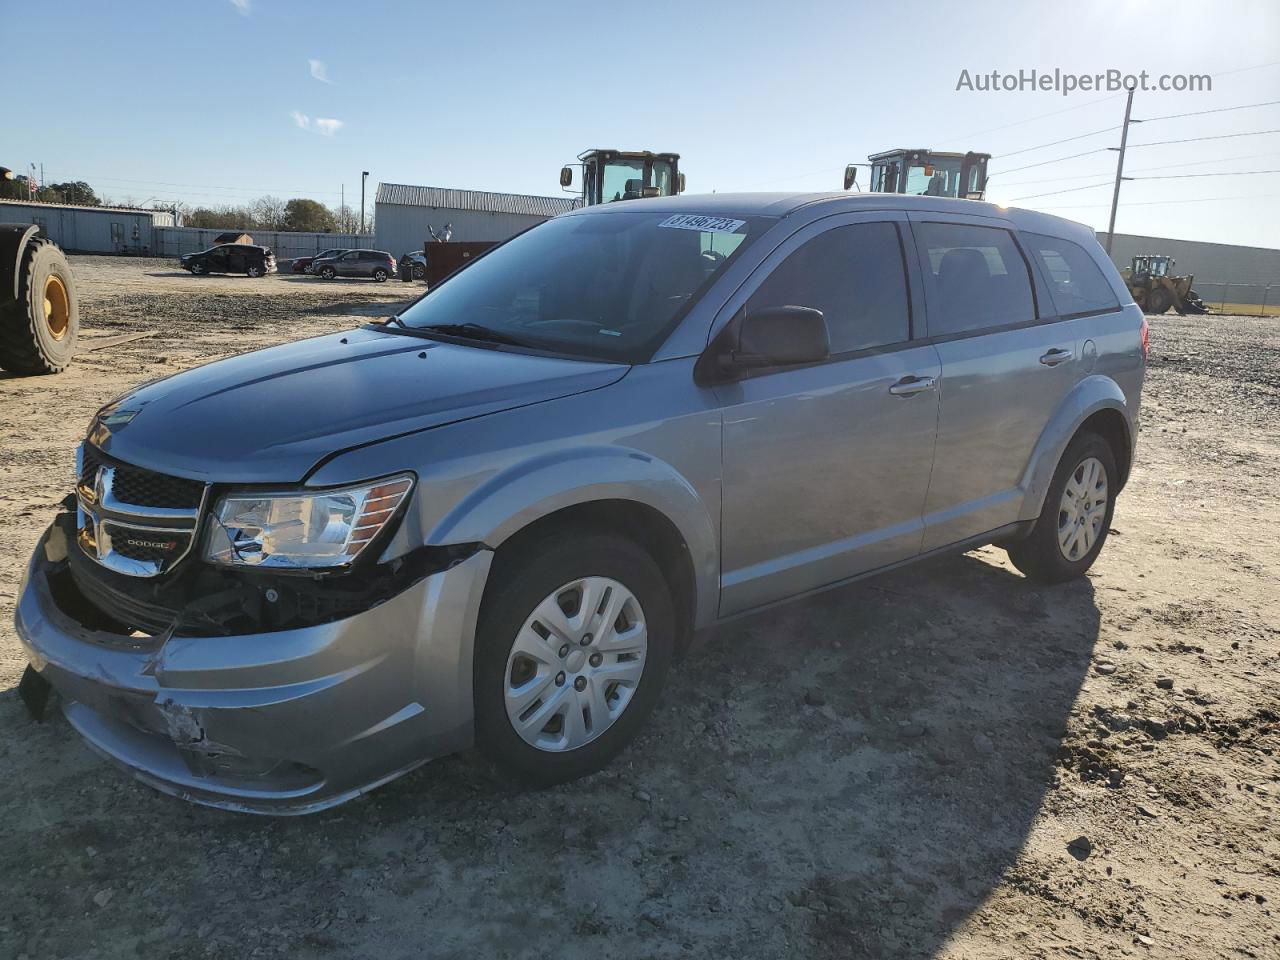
(271, 415)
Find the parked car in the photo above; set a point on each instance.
(377, 264)
(417, 262)
(292, 575)
(303, 264)
(243, 258)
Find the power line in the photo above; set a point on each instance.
(1156, 203)
(1225, 173)
(1057, 160)
(1038, 116)
(206, 187)
(1221, 136)
(1092, 186)
(1201, 113)
(1054, 143)
(1163, 166)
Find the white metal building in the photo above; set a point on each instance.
(90, 229)
(405, 212)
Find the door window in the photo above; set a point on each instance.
(854, 275)
(977, 278)
(1076, 284)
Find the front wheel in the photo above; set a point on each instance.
(380, 275)
(1073, 524)
(1158, 301)
(198, 268)
(328, 273)
(572, 649)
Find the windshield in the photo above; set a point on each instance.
(941, 180)
(603, 286)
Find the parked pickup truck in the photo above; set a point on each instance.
(287, 577)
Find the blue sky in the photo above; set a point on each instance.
(217, 101)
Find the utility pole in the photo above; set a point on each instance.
(363, 175)
(342, 206)
(1124, 140)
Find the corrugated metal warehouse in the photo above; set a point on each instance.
(90, 229)
(1224, 272)
(404, 212)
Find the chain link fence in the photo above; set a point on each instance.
(1257, 299)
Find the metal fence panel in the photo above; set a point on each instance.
(1258, 298)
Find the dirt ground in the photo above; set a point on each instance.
(901, 768)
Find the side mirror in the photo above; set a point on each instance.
(773, 337)
(566, 176)
(850, 176)
(680, 183)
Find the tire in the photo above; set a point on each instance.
(254, 271)
(380, 275)
(419, 272)
(198, 268)
(521, 585)
(38, 330)
(328, 273)
(1040, 556)
(1158, 301)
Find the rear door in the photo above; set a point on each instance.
(1008, 361)
(825, 467)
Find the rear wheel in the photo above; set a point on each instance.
(380, 275)
(571, 653)
(1073, 525)
(254, 270)
(419, 272)
(38, 330)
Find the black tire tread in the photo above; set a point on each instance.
(21, 350)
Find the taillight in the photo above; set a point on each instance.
(1146, 339)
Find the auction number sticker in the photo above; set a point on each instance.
(702, 223)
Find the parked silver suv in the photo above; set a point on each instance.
(290, 576)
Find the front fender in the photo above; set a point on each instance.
(517, 496)
(1090, 395)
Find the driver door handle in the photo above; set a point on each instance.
(910, 386)
(1056, 356)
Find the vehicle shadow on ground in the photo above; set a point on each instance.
(847, 776)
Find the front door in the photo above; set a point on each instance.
(349, 264)
(1008, 361)
(826, 466)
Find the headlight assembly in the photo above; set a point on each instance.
(302, 529)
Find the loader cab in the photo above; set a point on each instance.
(928, 173)
(1147, 265)
(612, 175)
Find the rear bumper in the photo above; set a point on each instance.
(286, 722)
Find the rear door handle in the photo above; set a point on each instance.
(910, 386)
(1056, 356)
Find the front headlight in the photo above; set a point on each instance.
(325, 528)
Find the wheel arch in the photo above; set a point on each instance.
(604, 489)
(1095, 403)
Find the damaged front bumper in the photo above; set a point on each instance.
(287, 721)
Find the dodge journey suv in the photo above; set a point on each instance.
(285, 578)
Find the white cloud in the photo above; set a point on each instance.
(301, 119)
(328, 126)
(242, 6)
(320, 70)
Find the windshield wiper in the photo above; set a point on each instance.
(476, 331)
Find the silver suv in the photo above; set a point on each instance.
(288, 577)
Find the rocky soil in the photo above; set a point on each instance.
(941, 762)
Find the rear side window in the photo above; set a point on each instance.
(854, 275)
(1076, 284)
(977, 278)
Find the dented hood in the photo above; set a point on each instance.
(272, 415)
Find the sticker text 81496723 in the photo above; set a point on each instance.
(702, 223)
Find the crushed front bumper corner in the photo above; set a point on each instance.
(284, 722)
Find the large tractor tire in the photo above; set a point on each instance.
(1158, 301)
(38, 330)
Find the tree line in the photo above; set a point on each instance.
(300, 214)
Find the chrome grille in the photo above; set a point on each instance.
(134, 521)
